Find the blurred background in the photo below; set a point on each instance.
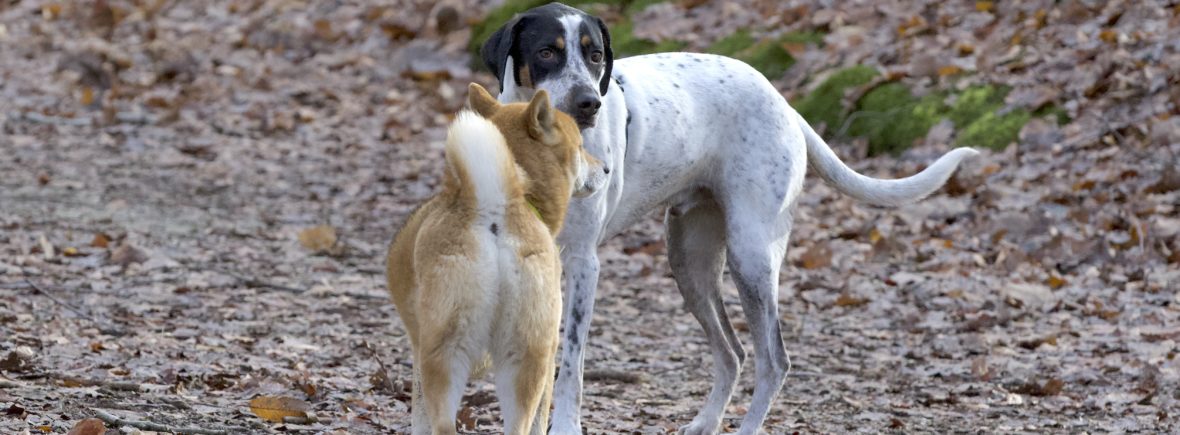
(196, 197)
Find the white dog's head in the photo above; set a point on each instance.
(556, 48)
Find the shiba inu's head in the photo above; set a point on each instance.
(545, 142)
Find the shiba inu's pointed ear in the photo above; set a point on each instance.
(541, 123)
(479, 100)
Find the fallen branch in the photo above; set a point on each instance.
(59, 301)
(612, 376)
(15, 285)
(38, 118)
(110, 385)
(115, 420)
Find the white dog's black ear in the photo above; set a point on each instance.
(500, 46)
(608, 55)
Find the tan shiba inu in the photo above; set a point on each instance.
(475, 272)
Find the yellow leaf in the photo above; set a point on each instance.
(874, 236)
(87, 95)
(985, 6)
(1055, 282)
(949, 70)
(1110, 36)
(318, 239)
(70, 252)
(966, 49)
(51, 11)
(274, 408)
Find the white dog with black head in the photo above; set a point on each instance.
(710, 139)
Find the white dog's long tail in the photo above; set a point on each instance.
(874, 190)
(479, 164)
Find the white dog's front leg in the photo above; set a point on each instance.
(580, 267)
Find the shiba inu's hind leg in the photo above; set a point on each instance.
(523, 383)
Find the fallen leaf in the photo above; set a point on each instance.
(817, 256)
(90, 426)
(949, 70)
(126, 254)
(47, 250)
(318, 239)
(275, 408)
(985, 6)
(467, 418)
(101, 240)
(846, 300)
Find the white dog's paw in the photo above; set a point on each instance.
(700, 426)
(565, 428)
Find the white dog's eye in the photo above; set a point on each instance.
(545, 53)
(596, 57)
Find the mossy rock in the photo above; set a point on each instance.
(992, 130)
(483, 30)
(768, 56)
(824, 104)
(891, 118)
(975, 101)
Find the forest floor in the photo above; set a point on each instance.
(196, 197)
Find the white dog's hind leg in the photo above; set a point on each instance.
(755, 255)
(696, 254)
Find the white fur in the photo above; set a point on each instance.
(477, 145)
(712, 140)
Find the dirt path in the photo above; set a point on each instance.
(153, 192)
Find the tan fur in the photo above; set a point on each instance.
(526, 78)
(560, 43)
(434, 262)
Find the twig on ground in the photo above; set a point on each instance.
(15, 285)
(53, 298)
(255, 282)
(111, 385)
(612, 376)
(395, 388)
(104, 327)
(7, 383)
(38, 118)
(147, 425)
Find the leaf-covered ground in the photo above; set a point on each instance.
(195, 199)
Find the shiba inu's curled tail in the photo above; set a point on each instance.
(874, 190)
(479, 164)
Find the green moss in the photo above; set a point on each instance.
(733, 44)
(824, 104)
(891, 118)
(1058, 113)
(975, 101)
(803, 38)
(769, 56)
(483, 30)
(994, 131)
